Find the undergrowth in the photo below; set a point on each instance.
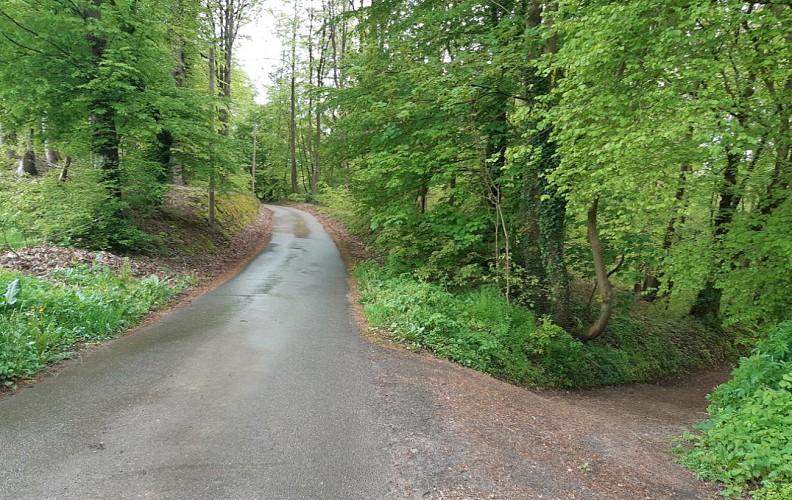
(182, 225)
(42, 320)
(479, 329)
(747, 441)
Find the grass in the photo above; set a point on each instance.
(182, 226)
(45, 319)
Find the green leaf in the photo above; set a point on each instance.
(12, 292)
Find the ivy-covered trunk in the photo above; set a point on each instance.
(552, 236)
(708, 301)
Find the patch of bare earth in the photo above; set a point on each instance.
(459, 434)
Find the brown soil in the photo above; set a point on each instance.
(205, 266)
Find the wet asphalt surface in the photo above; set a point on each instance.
(259, 389)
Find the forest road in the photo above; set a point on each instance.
(261, 388)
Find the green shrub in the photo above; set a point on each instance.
(480, 329)
(80, 212)
(747, 441)
(80, 304)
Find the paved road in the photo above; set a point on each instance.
(259, 389)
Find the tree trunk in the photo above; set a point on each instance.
(27, 164)
(603, 283)
(292, 108)
(253, 162)
(545, 207)
(211, 166)
(706, 307)
(552, 235)
(105, 141)
(64, 174)
(651, 282)
(422, 193)
(51, 156)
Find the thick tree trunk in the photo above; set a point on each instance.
(105, 142)
(552, 235)
(544, 250)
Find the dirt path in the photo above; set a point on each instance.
(467, 435)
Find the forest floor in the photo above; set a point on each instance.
(459, 434)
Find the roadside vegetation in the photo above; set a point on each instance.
(46, 317)
(42, 320)
(747, 441)
(471, 321)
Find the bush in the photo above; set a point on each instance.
(747, 441)
(80, 212)
(480, 329)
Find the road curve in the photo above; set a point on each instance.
(259, 389)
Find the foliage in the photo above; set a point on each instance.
(480, 329)
(712, 187)
(76, 213)
(747, 441)
(338, 203)
(75, 306)
(121, 89)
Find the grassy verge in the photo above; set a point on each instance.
(479, 329)
(42, 320)
(182, 226)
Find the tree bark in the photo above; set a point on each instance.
(253, 162)
(27, 164)
(105, 142)
(64, 174)
(211, 165)
(706, 307)
(292, 108)
(603, 283)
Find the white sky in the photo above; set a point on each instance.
(259, 51)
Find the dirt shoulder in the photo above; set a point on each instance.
(460, 434)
